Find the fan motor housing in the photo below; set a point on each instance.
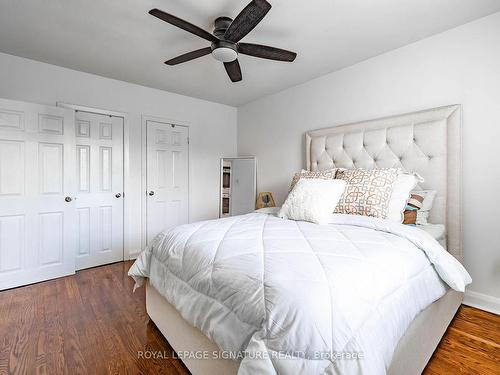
(220, 26)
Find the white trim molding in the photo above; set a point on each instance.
(482, 301)
(84, 108)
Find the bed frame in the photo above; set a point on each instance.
(427, 142)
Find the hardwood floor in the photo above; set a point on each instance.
(471, 345)
(89, 323)
(92, 323)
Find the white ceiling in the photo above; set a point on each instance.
(119, 39)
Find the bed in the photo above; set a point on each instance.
(389, 142)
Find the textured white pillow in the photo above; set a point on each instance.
(403, 186)
(312, 200)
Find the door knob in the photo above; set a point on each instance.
(151, 193)
(68, 199)
(118, 195)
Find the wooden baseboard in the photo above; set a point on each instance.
(482, 301)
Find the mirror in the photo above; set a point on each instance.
(238, 185)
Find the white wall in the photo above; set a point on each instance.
(459, 66)
(212, 127)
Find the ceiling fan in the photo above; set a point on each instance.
(226, 38)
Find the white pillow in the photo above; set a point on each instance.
(403, 186)
(312, 200)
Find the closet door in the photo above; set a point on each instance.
(99, 204)
(167, 176)
(37, 206)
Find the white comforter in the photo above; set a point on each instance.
(298, 297)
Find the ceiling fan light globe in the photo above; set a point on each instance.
(224, 54)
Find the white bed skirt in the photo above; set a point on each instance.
(410, 357)
(183, 337)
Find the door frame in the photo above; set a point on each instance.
(144, 151)
(128, 253)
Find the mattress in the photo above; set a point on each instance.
(296, 297)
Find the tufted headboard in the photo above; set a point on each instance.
(427, 142)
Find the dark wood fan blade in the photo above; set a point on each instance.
(248, 18)
(189, 56)
(233, 70)
(266, 52)
(184, 25)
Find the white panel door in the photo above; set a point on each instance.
(99, 189)
(167, 176)
(37, 208)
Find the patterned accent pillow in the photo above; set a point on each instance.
(328, 174)
(411, 211)
(368, 192)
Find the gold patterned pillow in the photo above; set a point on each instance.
(368, 192)
(328, 174)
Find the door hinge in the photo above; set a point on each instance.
(188, 140)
